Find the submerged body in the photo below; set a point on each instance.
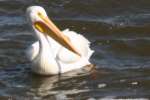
(49, 55)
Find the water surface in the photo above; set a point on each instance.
(119, 34)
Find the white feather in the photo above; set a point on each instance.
(67, 60)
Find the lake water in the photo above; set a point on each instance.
(120, 34)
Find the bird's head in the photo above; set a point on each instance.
(40, 22)
(36, 13)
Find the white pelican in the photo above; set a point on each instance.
(55, 51)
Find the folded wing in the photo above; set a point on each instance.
(80, 43)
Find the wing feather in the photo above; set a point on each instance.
(81, 44)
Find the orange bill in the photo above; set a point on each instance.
(48, 27)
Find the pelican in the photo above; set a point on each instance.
(55, 51)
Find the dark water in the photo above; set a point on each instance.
(120, 34)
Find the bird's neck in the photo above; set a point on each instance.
(44, 44)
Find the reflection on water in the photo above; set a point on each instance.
(119, 32)
(51, 85)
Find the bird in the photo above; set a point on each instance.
(55, 51)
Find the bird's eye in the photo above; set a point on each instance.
(39, 13)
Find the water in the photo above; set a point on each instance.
(119, 32)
